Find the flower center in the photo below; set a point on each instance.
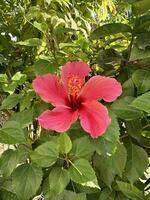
(74, 85)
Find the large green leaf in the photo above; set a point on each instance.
(124, 109)
(12, 133)
(58, 180)
(11, 101)
(142, 102)
(43, 67)
(137, 162)
(8, 162)
(110, 29)
(65, 143)
(141, 78)
(81, 171)
(26, 180)
(130, 191)
(46, 154)
(138, 54)
(107, 194)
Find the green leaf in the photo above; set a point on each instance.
(43, 67)
(26, 180)
(46, 154)
(124, 109)
(8, 162)
(3, 78)
(19, 78)
(103, 167)
(118, 159)
(130, 191)
(58, 180)
(12, 133)
(11, 101)
(69, 195)
(110, 29)
(137, 162)
(82, 151)
(143, 40)
(40, 26)
(142, 102)
(107, 194)
(141, 78)
(65, 143)
(140, 7)
(30, 42)
(138, 54)
(128, 88)
(81, 171)
(24, 118)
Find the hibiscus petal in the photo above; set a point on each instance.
(49, 89)
(78, 68)
(59, 119)
(101, 87)
(94, 118)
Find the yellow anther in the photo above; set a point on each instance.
(74, 85)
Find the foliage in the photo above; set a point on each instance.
(38, 37)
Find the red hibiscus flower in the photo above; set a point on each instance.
(72, 97)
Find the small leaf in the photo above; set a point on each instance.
(30, 42)
(81, 171)
(43, 67)
(142, 102)
(12, 133)
(58, 180)
(40, 26)
(11, 101)
(130, 191)
(65, 143)
(46, 154)
(26, 180)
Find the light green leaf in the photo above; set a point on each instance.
(58, 180)
(137, 162)
(32, 42)
(130, 191)
(40, 26)
(142, 102)
(11, 101)
(81, 171)
(26, 180)
(141, 78)
(65, 143)
(124, 109)
(110, 29)
(12, 133)
(107, 194)
(19, 78)
(46, 154)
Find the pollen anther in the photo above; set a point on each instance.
(74, 85)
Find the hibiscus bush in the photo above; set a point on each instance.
(75, 99)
